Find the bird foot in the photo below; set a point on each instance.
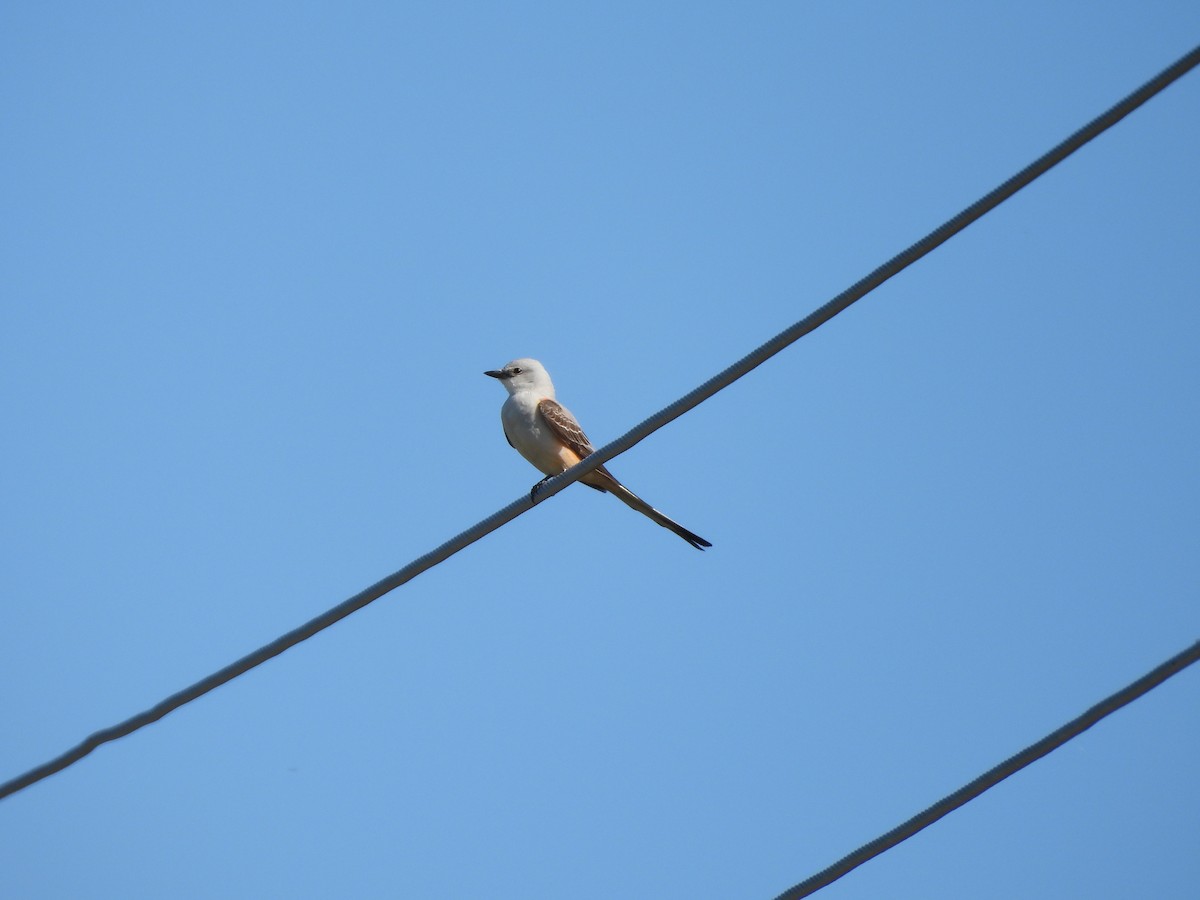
(534, 490)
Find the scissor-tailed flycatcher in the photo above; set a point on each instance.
(545, 433)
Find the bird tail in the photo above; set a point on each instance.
(633, 501)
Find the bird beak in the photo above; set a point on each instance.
(494, 374)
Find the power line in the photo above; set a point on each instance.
(634, 436)
(994, 776)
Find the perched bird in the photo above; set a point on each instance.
(544, 432)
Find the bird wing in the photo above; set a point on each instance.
(564, 426)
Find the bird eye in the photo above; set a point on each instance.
(517, 370)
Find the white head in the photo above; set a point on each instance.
(524, 375)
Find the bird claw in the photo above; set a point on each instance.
(534, 490)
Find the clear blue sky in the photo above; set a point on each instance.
(254, 259)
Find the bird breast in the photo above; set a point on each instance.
(532, 437)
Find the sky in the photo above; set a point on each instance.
(254, 260)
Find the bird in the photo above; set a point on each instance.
(544, 432)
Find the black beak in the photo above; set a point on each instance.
(494, 374)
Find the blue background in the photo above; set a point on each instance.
(254, 259)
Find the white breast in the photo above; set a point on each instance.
(530, 435)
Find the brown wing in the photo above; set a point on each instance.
(563, 424)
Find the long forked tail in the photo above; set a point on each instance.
(633, 501)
